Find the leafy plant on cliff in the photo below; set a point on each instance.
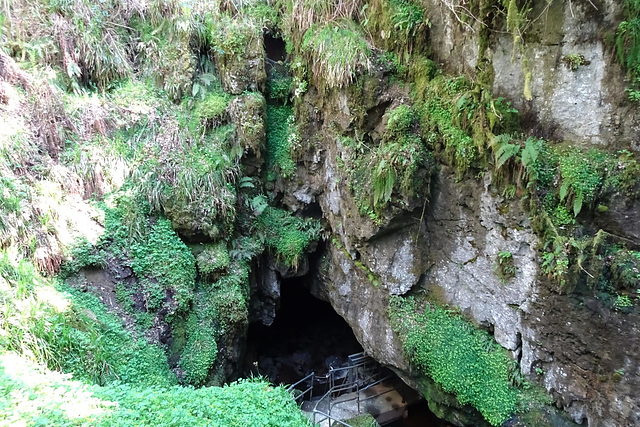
(505, 266)
(336, 53)
(465, 361)
(628, 46)
(288, 236)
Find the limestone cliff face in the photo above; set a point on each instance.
(445, 243)
(570, 344)
(587, 105)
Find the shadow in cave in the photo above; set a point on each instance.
(275, 48)
(306, 336)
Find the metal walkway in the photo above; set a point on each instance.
(346, 392)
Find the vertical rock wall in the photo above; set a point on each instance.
(587, 105)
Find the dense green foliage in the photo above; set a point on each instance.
(286, 235)
(462, 359)
(337, 52)
(32, 396)
(281, 134)
(628, 46)
(63, 329)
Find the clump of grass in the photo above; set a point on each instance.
(337, 53)
(191, 179)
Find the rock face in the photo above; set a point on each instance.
(586, 105)
(582, 353)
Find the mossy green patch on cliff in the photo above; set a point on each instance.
(397, 26)
(400, 164)
(286, 235)
(281, 134)
(465, 361)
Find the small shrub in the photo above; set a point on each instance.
(622, 303)
(573, 61)
(505, 267)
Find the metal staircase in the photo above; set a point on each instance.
(318, 394)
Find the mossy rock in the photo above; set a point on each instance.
(248, 113)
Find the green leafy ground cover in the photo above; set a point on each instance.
(32, 396)
(46, 326)
(464, 360)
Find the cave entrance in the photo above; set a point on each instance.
(275, 48)
(306, 336)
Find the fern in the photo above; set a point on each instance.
(504, 150)
(383, 180)
(530, 152)
(577, 203)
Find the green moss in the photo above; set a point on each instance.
(287, 236)
(463, 360)
(200, 351)
(212, 107)
(281, 133)
(398, 26)
(165, 264)
(213, 259)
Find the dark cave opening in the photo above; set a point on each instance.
(275, 48)
(306, 336)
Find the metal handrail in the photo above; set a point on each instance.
(309, 389)
(358, 360)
